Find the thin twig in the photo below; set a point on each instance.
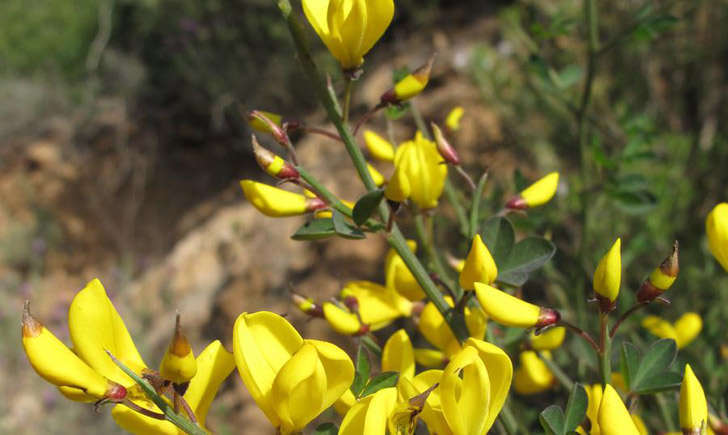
(580, 332)
(624, 316)
(322, 132)
(144, 411)
(459, 169)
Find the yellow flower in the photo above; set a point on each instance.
(378, 305)
(511, 311)
(684, 331)
(532, 376)
(474, 386)
(437, 331)
(398, 355)
(88, 374)
(479, 266)
(377, 176)
(536, 194)
(214, 364)
(608, 274)
(379, 148)
(693, 406)
(594, 399)
(716, 226)
(614, 419)
(349, 28)
(400, 278)
(369, 416)
(343, 321)
(418, 173)
(452, 121)
(548, 340)
(275, 202)
(291, 379)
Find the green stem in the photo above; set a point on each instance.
(395, 238)
(605, 351)
(559, 374)
(508, 419)
(452, 197)
(475, 208)
(424, 230)
(347, 98)
(665, 411)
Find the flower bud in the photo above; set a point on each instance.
(614, 419)
(693, 406)
(511, 311)
(179, 364)
(307, 305)
(267, 122)
(661, 278)
(409, 86)
(377, 176)
(716, 226)
(479, 265)
(452, 121)
(443, 146)
(608, 276)
(343, 321)
(271, 163)
(548, 340)
(536, 194)
(379, 148)
(275, 202)
(533, 375)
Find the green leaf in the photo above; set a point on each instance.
(575, 408)
(634, 202)
(629, 363)
(366, 205)
(382, 380)
(361, 375)
(526, 256)
(315, 229)
(344, 228)
(499, 236)
(657, 359)
(659, 382)
(326, 429)
(552, 420)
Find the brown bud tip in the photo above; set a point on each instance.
(605, 305)
(352, 303)
(313, 204)
(362, 330)
(443, 146)
(31, 327)
(179, 345)
(671, 265)
(517, 203)
(389, 97)
(423, 73)
(419, 400)
(115, 392)
(647, 292)
(547, 316)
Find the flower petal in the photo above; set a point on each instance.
(214, 365)
(398, 355)
(338, 368)
(500, 373)
(466, 402)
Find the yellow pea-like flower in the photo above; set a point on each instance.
(474, 386)
(479, 265)
(379, 147)
(214, 365)
(349, 28)
(533, 375)
(437, 331)
(57, 364)
(452, 121)
(178, 364)
(614, 419)
(510, 311)
(344, 403)
(432, 358)
(716, 226)
(608, 275)
(409, 86)
(432, 413)
(419, 173)
(684, 331)
(693, 405)
(594, 399)
(536, 194)
(399, 277)
(275, 202)
(291, 379)
(548, 340)
(378, 305)
(377, 176)
(343, 321)
(369, 416)
(398, 355)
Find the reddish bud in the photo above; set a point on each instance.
(443, 146)
(116, 392)
(547, 317)
(273, 164)
(274, 127)
(517, 203)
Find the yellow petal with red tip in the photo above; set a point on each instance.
(96, 327)
(506, 309)
(275, 202)
(541, 191)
